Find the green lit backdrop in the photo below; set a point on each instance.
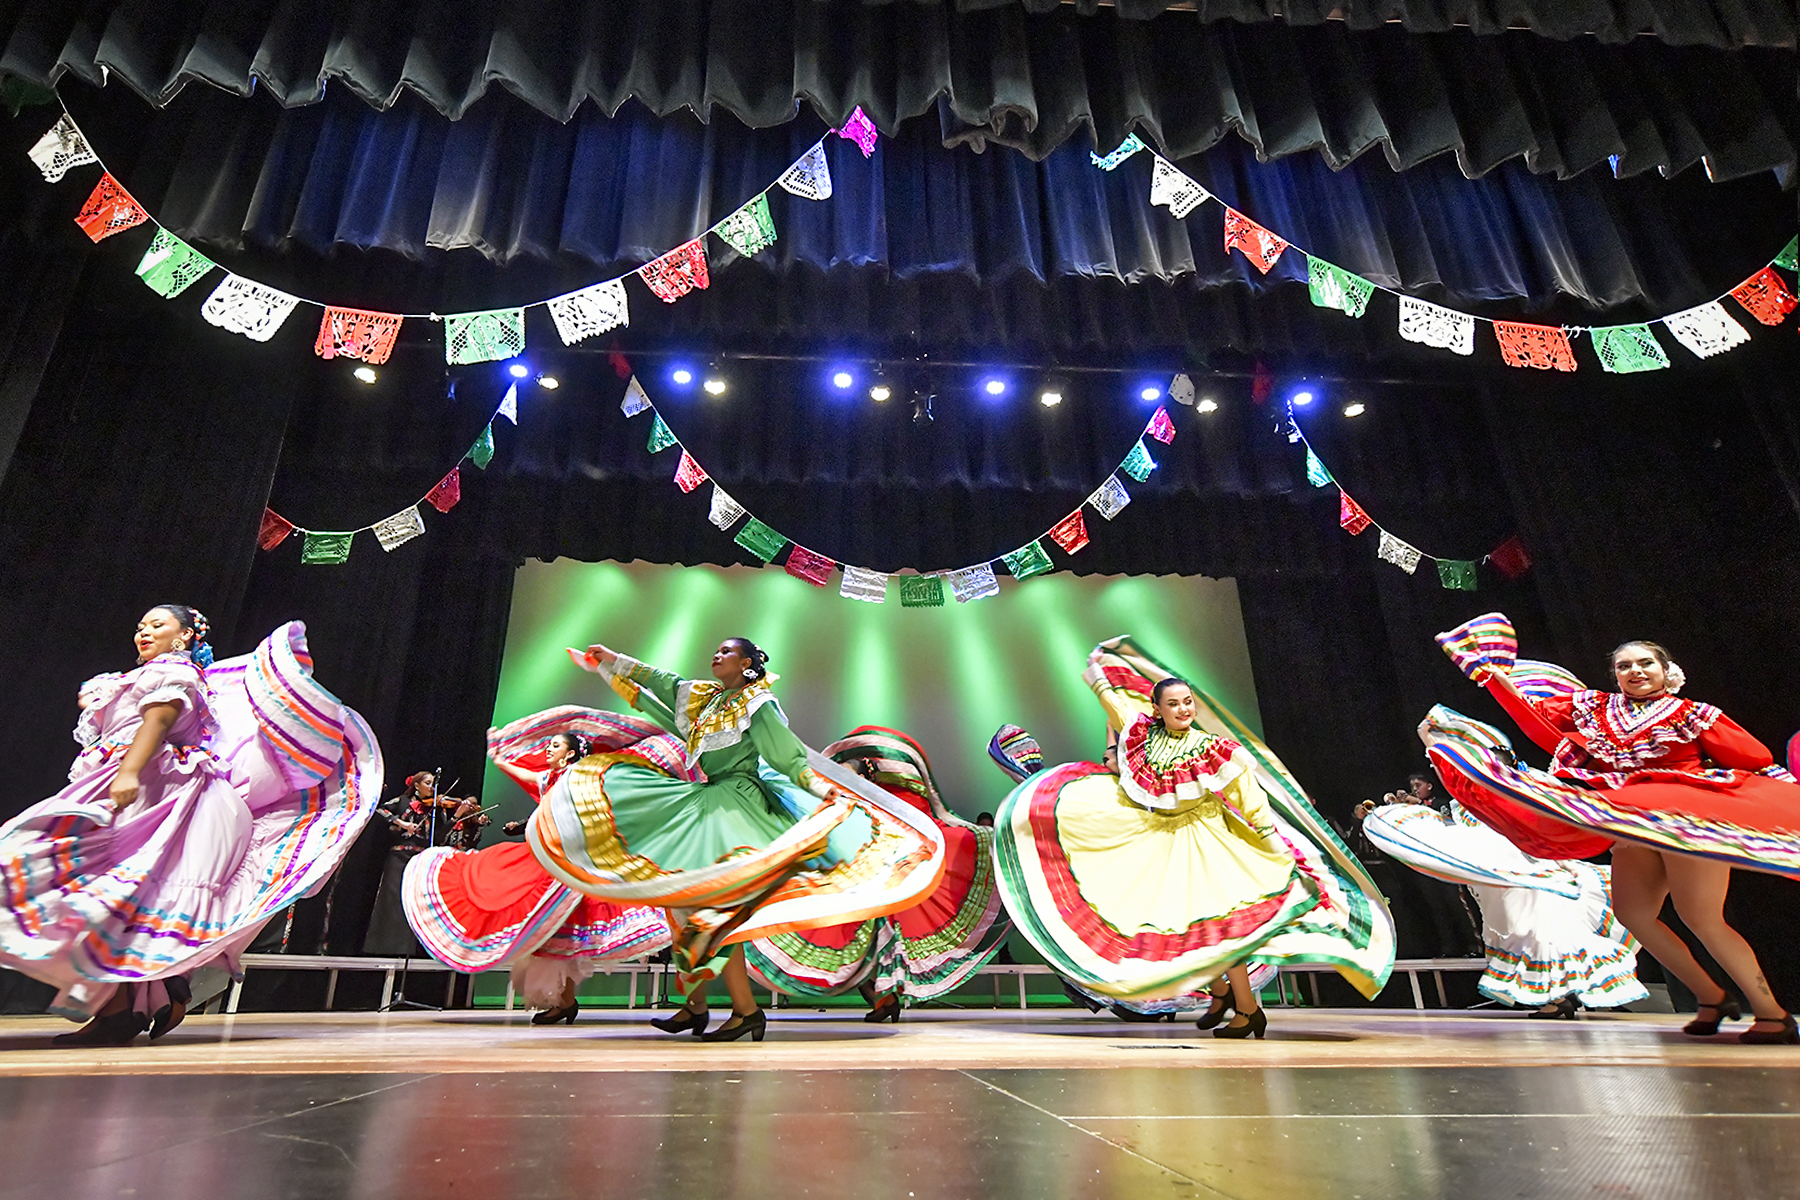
(948, 676)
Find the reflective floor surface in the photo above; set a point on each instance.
(1333, 1105)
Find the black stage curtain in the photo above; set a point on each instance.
(1003, 75)
(601, 195)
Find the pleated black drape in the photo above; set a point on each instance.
(1004, 76)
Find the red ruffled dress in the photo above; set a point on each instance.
(1667, 772)
(476, 911)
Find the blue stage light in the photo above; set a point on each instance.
(1302, 398)
(994, 387)
(682, 376)
(843, 381)
(1149, 392)
(518, 370)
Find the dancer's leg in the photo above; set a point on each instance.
(1640, 884)
(737, 982)
(1243, 996)
(1699, 886)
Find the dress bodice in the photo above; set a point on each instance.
(116, 703)
(1158, 769)
(1607, 737)
(729, 732)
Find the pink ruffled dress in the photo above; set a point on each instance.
(258, 790)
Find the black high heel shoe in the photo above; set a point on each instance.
(114, 1029)
(551, 1016)
(1787, 1035)
(170, 1015)
(1254, 1025)
(1564, 1010)
(886, 1009)
(1215, 1013)
(756, 1024)
(682, 1021)
(1725, 1010)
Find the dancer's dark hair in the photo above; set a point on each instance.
(759, 660)
(579, 745)
(193, 620)
(1163, 685)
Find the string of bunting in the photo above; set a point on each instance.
(170, 266)
(1509, 557)
(1705, 329)
(330, 546)
(918, 589)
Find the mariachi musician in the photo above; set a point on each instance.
(467, 822)
(420, 816)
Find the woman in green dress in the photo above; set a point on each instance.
(757, 836)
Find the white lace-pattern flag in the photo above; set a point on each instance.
(61, 148)
(591, 310)
(1430, 325)
(974, 583)
(1706, 330)
(1181, 390)
(810, 176)
(400, 528)
(247, 307)
(725, 511)
(1168, 185)
(635, 400)
(1398, 552)
(1110, 497)
(860, 583)
(509, 405)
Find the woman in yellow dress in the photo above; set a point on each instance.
(1198, 858)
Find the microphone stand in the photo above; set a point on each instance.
(400, 1000)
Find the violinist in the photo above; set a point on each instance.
(467, 822)
(419, 817)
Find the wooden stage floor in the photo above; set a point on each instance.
(1356, 1104)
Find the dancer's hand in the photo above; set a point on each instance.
(603, 655)
(123, 791)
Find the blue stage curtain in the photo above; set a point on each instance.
(598, 196)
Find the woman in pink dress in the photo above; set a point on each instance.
(206, 799)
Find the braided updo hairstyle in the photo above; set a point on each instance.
(193, 620)
(759, 660)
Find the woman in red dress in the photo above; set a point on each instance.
(1679, 791)
(493, 907)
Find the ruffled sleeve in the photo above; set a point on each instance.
(94, 696)
(168, 681)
